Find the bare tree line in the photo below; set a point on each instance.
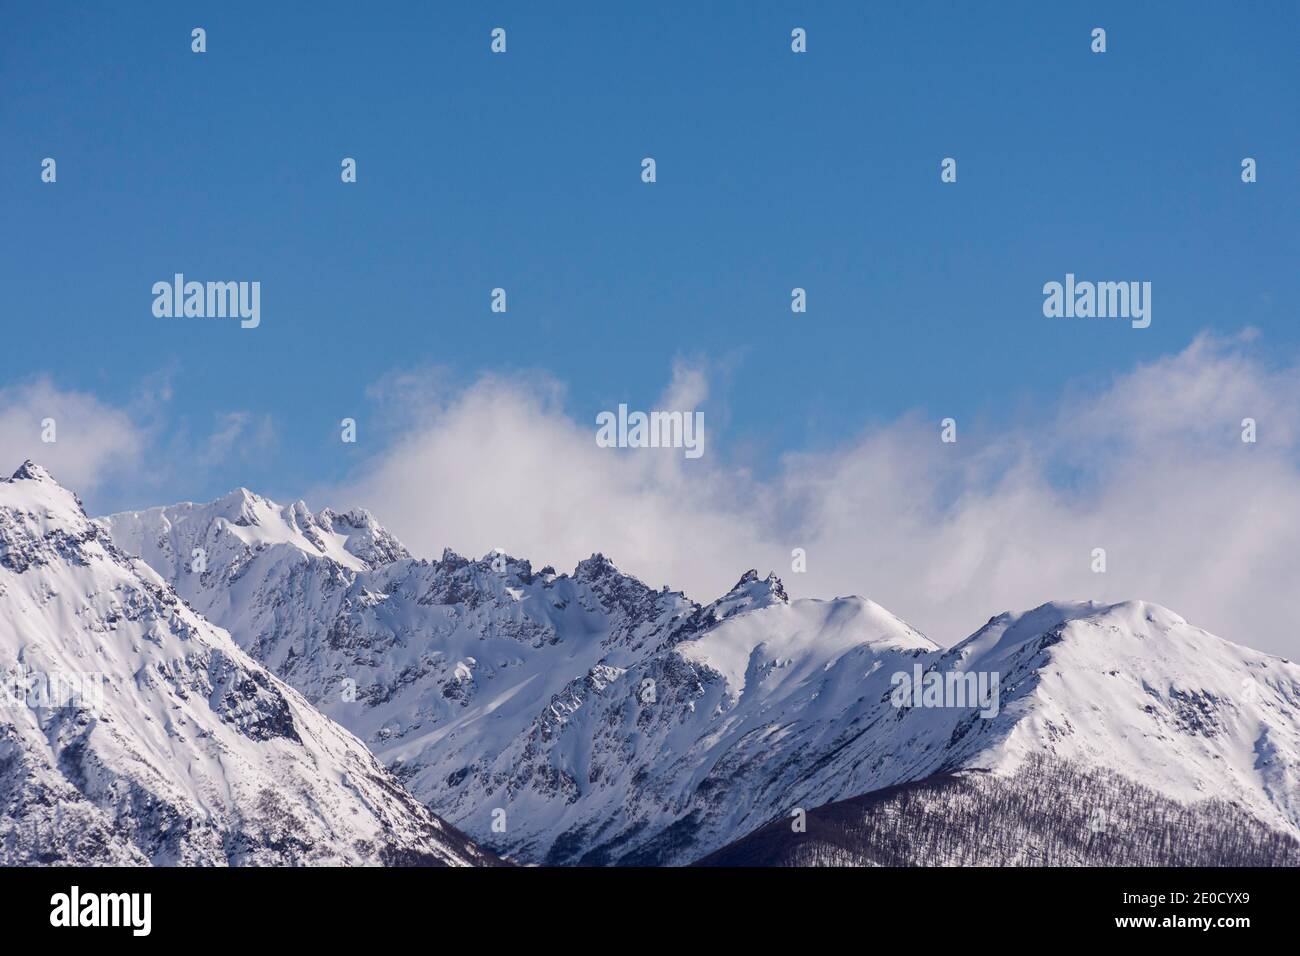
(1050, 813)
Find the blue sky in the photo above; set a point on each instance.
(775, 170)
(522, 171)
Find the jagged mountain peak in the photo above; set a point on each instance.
(501, 561)
(748, 594)
(143, 734)
(46, 504)
(353, 518)
(241, 508)
(244, 522)
(30, 471)
(751, 591)
(615, 722)
(452, 560)
(495, 565)
(364, 537)
(595, 567)
(496, 561)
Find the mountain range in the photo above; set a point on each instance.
(585, 718)
(182, 750)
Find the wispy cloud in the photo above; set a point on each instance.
(93, 442)
(238, 435)
(134, 452)
(1149, 466)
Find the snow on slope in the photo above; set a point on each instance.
(738, 711)
(192, 753)
(503, 689)
(614, 723)
(439, 666)
(1135, 688)
(242, 521)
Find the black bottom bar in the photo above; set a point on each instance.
(362, 907)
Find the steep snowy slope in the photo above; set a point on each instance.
(558, 699)
(439, 666)
(695, 741)
(1135, 688)
(592, 719)
(133, 731)
(1131, 688)
(788, 706)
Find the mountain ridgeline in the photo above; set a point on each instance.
(133, 731)
(585, 718)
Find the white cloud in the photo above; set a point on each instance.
(238, 435)
(121, 456)
(94, 442)
(1149, 466)
(688, 389)
(500, 465)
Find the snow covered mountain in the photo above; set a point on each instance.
(1131, 718)
(1134, 688)
(132, 731)
(588, 718)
